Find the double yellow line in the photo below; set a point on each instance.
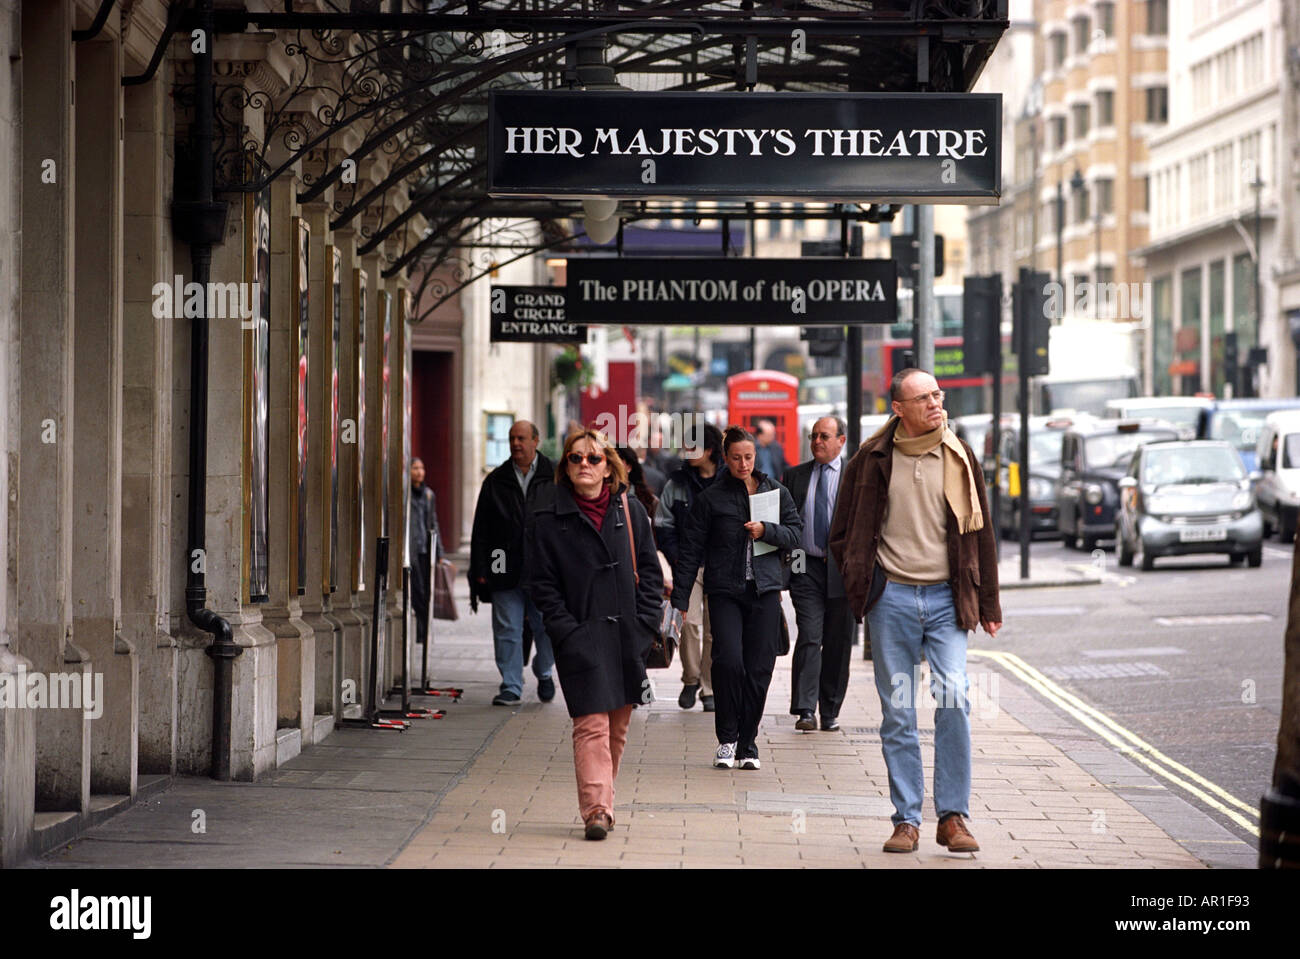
(1127, 742)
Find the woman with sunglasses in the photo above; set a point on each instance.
(743, 590)
(600, 602)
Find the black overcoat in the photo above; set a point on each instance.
(599, 620)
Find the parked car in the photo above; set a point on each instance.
(1239, 423)
(1094, 455)
(1045, 436)
(1277, 490)
(1182, 411)
(1187, 497)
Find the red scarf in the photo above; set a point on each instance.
(594, 509)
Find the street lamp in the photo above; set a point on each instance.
(1248, 379)
(1060, 230)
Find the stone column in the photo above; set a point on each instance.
(347, 606)
(372, 466)
(17, 736)
(316, 598)
(147, 422)
(97, 460)
(43, 507)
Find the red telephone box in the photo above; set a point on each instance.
(766, 394)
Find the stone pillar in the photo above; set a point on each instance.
(97, 460)
(282, 614)
(147, 534)
(44, 504)
(347, 608)
(322, 448)
(372, 466)
(17, 734)
(399, 478)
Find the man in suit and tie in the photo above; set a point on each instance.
(822, 614)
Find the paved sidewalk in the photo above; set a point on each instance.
(493, 787)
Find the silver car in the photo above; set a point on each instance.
(1179, 498)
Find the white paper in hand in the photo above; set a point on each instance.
(765, 508)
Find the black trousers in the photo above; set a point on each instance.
(420, 596)
(821, 653)
(746, 629)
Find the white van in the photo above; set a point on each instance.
(1278, 490)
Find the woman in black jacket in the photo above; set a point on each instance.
(743, 590)
(600, 603)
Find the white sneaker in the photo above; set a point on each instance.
(726, 757)
(750, 762)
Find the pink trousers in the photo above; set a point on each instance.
(598, 741)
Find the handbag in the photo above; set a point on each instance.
(670, 620)
(783, 640)
(444, 607)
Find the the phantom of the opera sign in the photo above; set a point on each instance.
(532, 314)
(732, 291)
(882, 147)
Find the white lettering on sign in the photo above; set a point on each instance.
(956, 144)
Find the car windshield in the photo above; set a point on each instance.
(1115, 449)
(1291, 452)
(1239, 427)
(1182, 415)
(1191, 464)
(1044, 447)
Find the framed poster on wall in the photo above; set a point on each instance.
(257, 370)
(334, 294)
(298, 463)
(385, 367)
(359, 293)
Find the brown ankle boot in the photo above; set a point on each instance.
(952, 832)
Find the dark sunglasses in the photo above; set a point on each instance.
(595, 459)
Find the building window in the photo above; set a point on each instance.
(1143, 200)
(1252, 62)
(1082, 33)
(1106, 195)
(1059, 50)
(1105, 108)
(1223, 177)
(1058, 133)
(1081, 205)
(1106, 274)
(1226, 68)
(1157, 17)
(1190, 282)
(496, 446)
(1162, 329)
(1080, 114)
(1106, 17)
(1197, 186)
(1157, 105)
(1216, 326)
(1201, 98)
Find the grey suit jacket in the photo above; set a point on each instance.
(798, 480)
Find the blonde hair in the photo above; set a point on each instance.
(617, 470)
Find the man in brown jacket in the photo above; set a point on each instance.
(914, 542)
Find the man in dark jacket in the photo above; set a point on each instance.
(821, 653)
(769, 455)
(496, 564)
(423, 531)
(914, 540)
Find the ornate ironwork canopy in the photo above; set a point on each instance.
(408, 81)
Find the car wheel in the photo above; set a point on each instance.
(1285, 525)
(1148, 560)
(1087, 543)
(1255, 557)
(1121, 548)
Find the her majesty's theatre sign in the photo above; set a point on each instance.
(879, 147)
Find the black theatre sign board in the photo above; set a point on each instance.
(532, 314)
(850, 147)
(732, 291)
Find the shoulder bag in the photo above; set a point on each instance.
(670, 620)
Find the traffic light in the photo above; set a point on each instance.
(903, 250)
(1031, 322)
(981, 309)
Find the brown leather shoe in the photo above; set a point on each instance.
(952, 832)
(598, 825)
(905, 838)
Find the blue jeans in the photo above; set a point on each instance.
(509, 606)
(905, 621)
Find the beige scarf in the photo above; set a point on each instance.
(958, 477)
